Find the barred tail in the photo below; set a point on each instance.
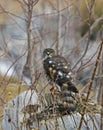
(69, 101)
(69, 98)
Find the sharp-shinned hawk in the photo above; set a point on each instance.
(59, 71)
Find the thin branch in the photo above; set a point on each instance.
(85, 51)
(29, 8)
(84, 37)
(59, 26)
(101, 121)
(85, 64)
(90, 85)
(10, 13)
(101, 94)
(9, 69)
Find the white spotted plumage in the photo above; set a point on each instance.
(59, 72)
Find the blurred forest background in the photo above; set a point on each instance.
(74, 28)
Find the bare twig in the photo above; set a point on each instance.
(90, 85)
(59, 26)
(9, 13)
(101, 121)
(101, 95)
(29, 7)
(85, 36)
(86, 64)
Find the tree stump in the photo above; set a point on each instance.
(27, 112)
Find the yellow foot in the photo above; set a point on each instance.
(53, 89)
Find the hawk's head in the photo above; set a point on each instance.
(48, 52)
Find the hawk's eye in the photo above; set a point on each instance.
(48, 53)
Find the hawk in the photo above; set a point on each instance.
(59, 71)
